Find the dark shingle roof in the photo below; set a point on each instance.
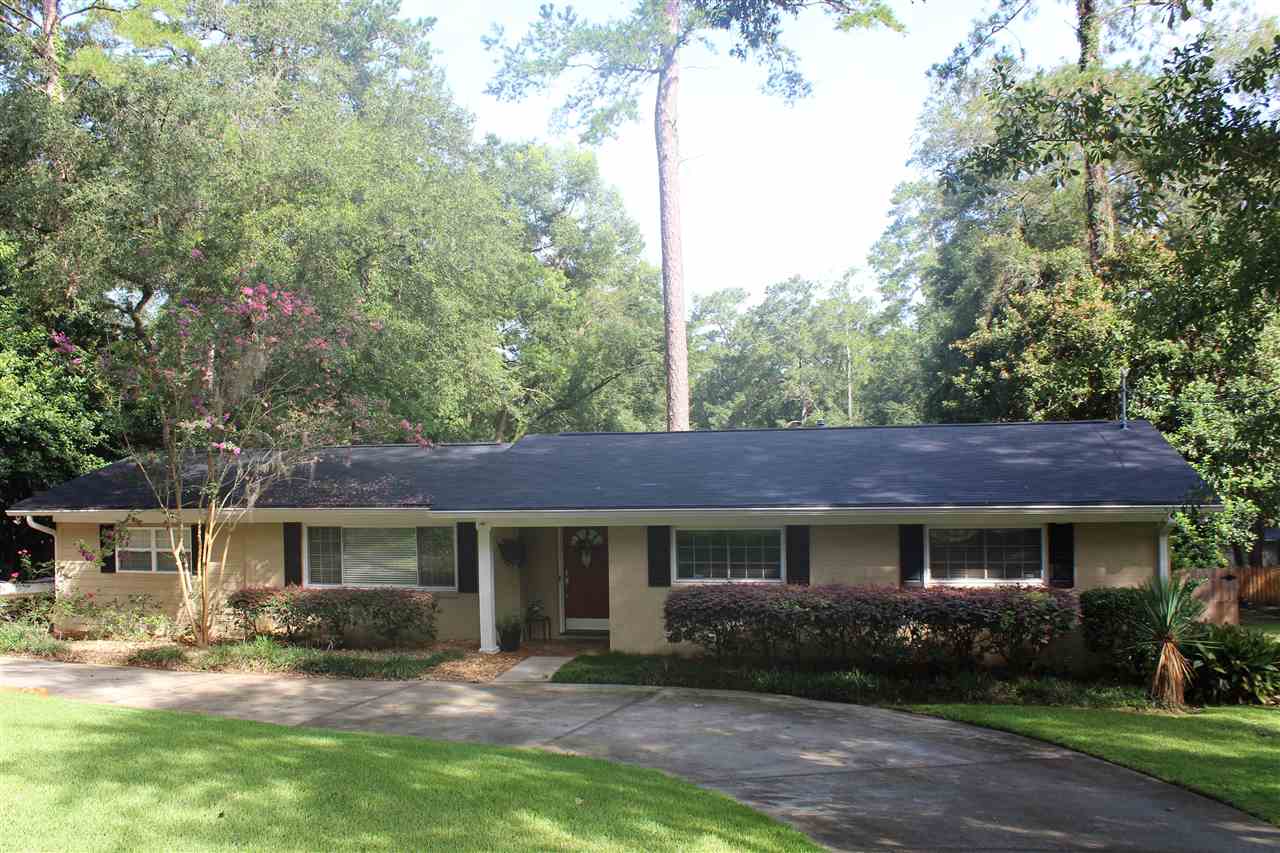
(395, 475)
(978, 465)
(1027, 464)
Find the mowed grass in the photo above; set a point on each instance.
(1266, 619)
(89, 777)
(1230, 754)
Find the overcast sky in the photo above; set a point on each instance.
(770, 190)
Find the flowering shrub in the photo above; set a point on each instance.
(876, 627)
(28, 569)
(346, 617)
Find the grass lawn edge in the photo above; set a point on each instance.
(983, 716)
(532, 771)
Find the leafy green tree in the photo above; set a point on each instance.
(584, 345)
(803, 355)
(612, 62)
(52, 425)
(1022, 326)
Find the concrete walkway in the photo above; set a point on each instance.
(535, 669)
(855, 778)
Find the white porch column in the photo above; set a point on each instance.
(488, 597)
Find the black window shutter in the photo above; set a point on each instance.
(292, 554)
(1062, 555)
(798, 554)
(196, 532)
(911, 553)
(659, 555)
(468, 557)
(107, 544)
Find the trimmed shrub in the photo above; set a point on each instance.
(352, 618)
(1234, 666)
(1109, 622)
(873, 627)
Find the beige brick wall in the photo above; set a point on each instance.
(541, 577)
(1106, 555)
(854, 554)
(1115, 554)
(635, 608)
(254, 556)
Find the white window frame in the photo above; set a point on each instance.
(675, 554)
(153, 550)
(306, 558)
(1043, 580)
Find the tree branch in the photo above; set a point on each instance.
(32, 21)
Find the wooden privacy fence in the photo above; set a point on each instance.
(1259, 585)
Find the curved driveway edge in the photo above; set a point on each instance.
(853, 777)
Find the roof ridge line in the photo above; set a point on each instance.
(805, 429)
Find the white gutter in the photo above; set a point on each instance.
(659, 515)
(35, 525)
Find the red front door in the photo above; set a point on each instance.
(586, 577)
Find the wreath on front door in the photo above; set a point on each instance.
(584, 541)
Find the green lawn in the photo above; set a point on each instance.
(89, 777)
(1231, 754)
(1263, 618)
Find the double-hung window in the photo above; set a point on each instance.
(149, 549)
(986, 554)
(381, 556)
(729, 555)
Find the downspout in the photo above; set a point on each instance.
(1163, 565)
(35, 525)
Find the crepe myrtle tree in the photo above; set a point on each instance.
(240, 386)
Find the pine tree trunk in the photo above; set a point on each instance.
(1099, 215)
(668, 144)
(48, 50)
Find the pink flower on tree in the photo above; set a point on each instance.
(63, 343)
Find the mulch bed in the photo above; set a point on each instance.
(472, 667)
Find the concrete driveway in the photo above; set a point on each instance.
(854, 778)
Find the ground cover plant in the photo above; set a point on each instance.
(230, 784)
(849, 685)
(1230, 754)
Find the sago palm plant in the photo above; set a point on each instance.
(1166, 622)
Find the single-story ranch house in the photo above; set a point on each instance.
(600, 527)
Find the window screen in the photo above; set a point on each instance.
(379, 556)
(729, 554)
(435, 557)
(324, 555)
(149, 549)
(985, 554)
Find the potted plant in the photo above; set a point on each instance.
(510, 629)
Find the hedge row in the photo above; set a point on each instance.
(875, 627)
(344, 617)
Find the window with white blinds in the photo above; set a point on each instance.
(381, 556)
